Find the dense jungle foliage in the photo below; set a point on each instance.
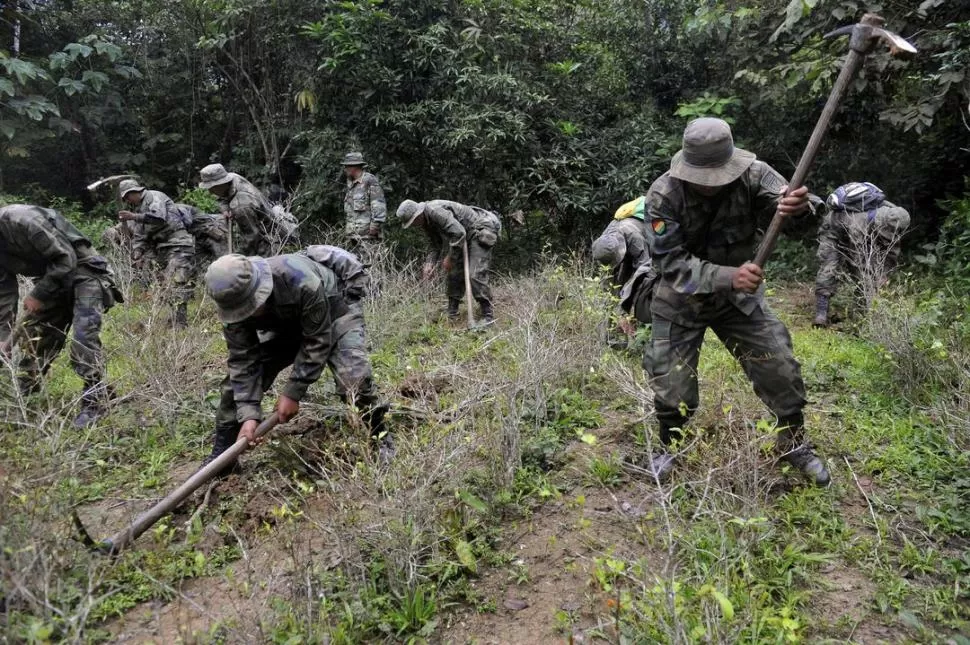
(563, 109)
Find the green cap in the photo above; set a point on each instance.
(129, 186)
(708, 156)
(238, 285)
(353, 159)
(214, 175)
(408, 211)
(609, 249)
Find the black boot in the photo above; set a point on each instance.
(225, 438)
(792, 447)
(453, 305)
(488, 314)
(380, 437)
(180, 317)
(94, 405)
(821, 311)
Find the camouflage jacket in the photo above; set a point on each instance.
(364, 203)
(161, 225)
(38, 243)
(304, 303)
(631, 231)
(447, 223)
(696, 242)
(253, 215)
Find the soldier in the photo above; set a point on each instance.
(702, 223)
(246, 206)
(623, 248)
(210, 233)
(861, 226)
(451, 228)
(162, 233)
(364, 205)
(288, 310)
(73, 286)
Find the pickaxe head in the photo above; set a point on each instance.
(865, 34)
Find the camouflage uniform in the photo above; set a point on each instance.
(74, 284)
(623, 246)
(363, 205)
(252, 215)
(162, 231)
(210, 232)
(841, 231)
(307, 323)
(696, 243)
(446, 224)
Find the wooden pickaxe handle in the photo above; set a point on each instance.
(468, 284)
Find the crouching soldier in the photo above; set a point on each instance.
(452, 227)
(73, 286)
(862, 229)
(161, 233)
(623, 248)
(281, 311)
(210, 232)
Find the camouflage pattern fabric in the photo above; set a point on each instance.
(842, 231)
(210, 232)
(628, 237)
(304, 323)
(252, 217)
(162, 232)
(695, 243)
(447, 224)
(363, 204)
(74, 284)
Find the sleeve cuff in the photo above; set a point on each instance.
(247, 412)
(295, 390)
(725, 279)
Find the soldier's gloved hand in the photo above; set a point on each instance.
(447, 263)
(33, 305)
(427, 271)
(795, 203)
(747, 277)
(286, 408)
(248, 430)
(374, 231)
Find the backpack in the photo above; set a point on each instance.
(285, 225)
(857, 197)
(631, 209)
(186, 214)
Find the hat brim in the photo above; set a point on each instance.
(416, 215)
(136, 189)
(712, 177)
(206, 185)
(264, 287)
(353, 163)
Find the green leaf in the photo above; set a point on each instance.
(71, 86)
(727, 608)
(77, 49)
(96, 80)
(7, 87)
(465, 555)
(8, 130)
(472, 501)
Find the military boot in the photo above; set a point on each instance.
(180, 317)
(799, 454)
(488, 314)
(225, 438)
(821, 311)
(453, 305)
(380, 437)
(94, 405)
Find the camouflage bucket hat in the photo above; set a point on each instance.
(238, 285)
(213, 175)
(708, 156)
(353, 159)
(609, 249)
(408, 211)
(129, 186)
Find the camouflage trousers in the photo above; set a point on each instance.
(847, 240)
(479, 265)
(348, 362)
(178, 271)
(759, 342)
(44, 334)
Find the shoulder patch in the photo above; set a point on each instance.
(659, 226)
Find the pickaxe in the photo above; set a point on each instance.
(116, 543)
(863, 38)
(108, 180)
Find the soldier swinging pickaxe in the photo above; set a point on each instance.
(863, 38)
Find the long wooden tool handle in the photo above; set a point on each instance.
(146, 520)
(468, 284)
(852, 64)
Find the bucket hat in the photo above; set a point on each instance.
(708, 156)
(353, 159)
(238, 285)
(409, 210)
(214, 175)
(129, 186)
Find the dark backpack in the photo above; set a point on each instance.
(857, 197)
